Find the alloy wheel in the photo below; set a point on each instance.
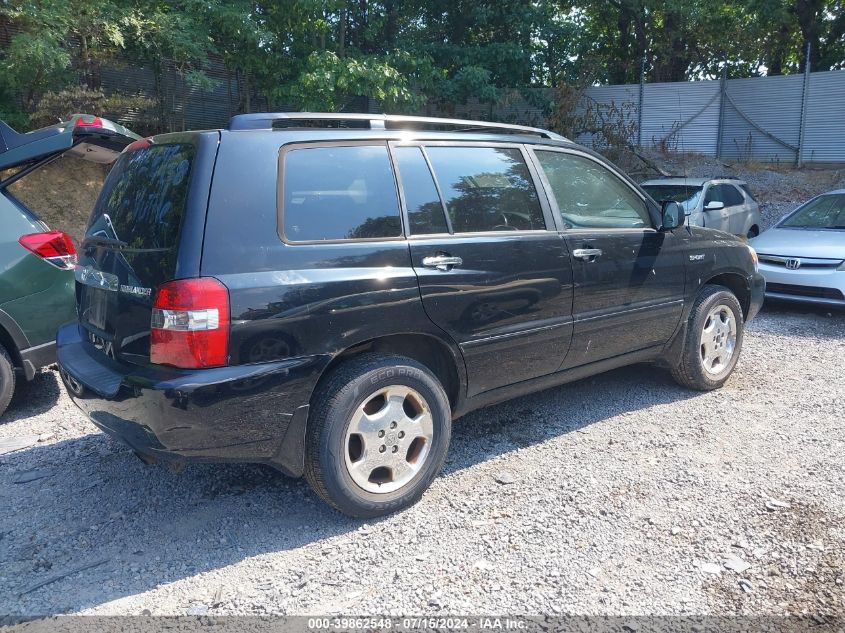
(388, 439)
(718, 339)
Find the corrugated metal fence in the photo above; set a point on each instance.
(740, 119)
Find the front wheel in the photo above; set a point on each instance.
(377, 435)
(713, 340)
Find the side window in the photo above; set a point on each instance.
(714, 194)
(589, 195)
(486, 189)
(732, 196)
(425, 211)
(748, 191)
(339, 193)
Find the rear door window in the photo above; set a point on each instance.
(339, 193)
(732, 196)
(486, 189)
(748, 191)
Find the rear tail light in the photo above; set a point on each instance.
(134, 146)
(189, 326)
(54, 247)
(93, 122)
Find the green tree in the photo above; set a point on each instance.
(328, 82)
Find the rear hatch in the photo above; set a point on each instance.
(145, 229)
(22, 231)
(83, 135)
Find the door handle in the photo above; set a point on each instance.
(441, 262)
(587, 254)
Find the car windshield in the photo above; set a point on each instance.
(687, 195)
(824, 212)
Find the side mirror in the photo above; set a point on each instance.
(673, 215)
(714, 205)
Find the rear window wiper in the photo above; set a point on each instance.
(120, 245)
(103, 241)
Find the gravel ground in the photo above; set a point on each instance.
(622, 494)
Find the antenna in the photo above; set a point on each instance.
(680, 136)
(683, 149)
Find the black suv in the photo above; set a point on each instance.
(326, 293)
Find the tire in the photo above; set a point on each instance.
(363, 474)
(753, 232)
(712, 347)
(7, 379)
(73, 386)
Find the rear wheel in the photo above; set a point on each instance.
(754, 231)
(7, 379)
(377, 436)
(71, 384)
(713, 340)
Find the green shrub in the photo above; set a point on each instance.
(54, 107)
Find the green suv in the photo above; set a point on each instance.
(37, 264)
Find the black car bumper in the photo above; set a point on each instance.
(246, 413)
(758, 294)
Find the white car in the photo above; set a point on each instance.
(802, 257)
(725, 204)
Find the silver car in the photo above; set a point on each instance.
(802, 257)
(725, 204)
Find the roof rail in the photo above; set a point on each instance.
(718, 177)
(287, 120)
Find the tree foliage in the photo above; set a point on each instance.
(322, 54)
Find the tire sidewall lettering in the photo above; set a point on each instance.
(383, 375)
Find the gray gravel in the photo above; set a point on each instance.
(622, 494)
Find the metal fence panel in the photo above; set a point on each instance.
(824, 137)
(620, 95)
(762, 118)
(681, 116)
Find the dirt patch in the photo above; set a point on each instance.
(63, 193)
(799, 568)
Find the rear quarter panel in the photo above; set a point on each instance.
(36, 295)
(301, 299)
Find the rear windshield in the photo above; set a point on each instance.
(143, 198)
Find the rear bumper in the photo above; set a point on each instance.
(246, 413)
(33, 358)
(758, 295)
